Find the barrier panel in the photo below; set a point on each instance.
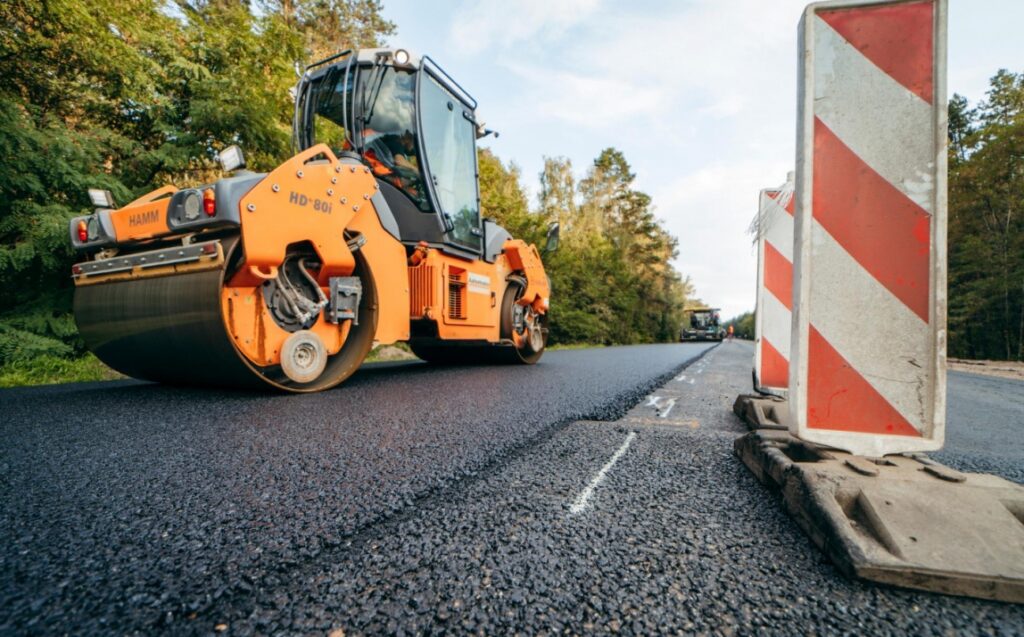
(773, 316)
(867, 370)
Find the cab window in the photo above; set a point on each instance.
(449, 140)
(389, 133)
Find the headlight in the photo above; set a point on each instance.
(191, 206)
(93, 228)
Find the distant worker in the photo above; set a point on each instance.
(730, 331)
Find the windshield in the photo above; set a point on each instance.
(389, 131)
(450, 142)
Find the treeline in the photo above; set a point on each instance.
(131, 95)
(612, 278)
(986, 222)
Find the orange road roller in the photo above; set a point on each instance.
(371, 234)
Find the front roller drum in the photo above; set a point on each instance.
(171, 329)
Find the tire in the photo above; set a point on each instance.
(510, 354)
(488, 354)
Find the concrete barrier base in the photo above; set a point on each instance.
(903, 520)
(761, 412)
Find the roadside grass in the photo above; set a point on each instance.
(47, 370)
(561, 346)
(396, 352)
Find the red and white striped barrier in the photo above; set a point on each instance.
(867, 371)
(773, 318)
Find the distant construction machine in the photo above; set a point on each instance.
(702, 324)
(371, 234)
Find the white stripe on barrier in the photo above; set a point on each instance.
(862, 104)
(776, 325)
(779, 230)
(871, 329)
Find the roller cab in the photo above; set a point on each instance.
(371, 233)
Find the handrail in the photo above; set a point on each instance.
(330, 58)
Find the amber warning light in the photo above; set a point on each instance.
(209, 204)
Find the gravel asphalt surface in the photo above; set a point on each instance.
(416, 500)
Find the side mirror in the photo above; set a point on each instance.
(231, 158)
(552, 242)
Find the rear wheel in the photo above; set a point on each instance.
(521, 325)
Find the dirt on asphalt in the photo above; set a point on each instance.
(1000, 369)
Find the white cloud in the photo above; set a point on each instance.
(482, 24)
(588, 101)
(713, 207)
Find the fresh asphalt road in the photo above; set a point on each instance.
(436, 500)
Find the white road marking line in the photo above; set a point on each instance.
(668, 408)
(583, 501)
(662, 409)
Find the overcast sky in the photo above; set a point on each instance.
(700, 95)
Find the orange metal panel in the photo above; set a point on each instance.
(153, 195)
(140, 220)
(386, 258)
(421, 290)
(258, 336)
(315, 202)
(473, 289)
(302, 201)
(525, 258)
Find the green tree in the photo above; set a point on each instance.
(130, 95)
(557, 196)
(986, 223)
(82, 81)
(330, 26)
(503, 198)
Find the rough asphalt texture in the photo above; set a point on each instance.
(985, 432)
(133, 509)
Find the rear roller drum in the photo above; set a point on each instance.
(172, 329)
